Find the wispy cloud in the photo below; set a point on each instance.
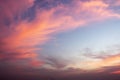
(20, 38)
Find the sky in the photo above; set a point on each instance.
(59, 39)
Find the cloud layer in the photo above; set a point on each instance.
(21, 36)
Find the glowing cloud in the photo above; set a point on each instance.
(22, 37)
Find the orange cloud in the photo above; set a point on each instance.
(98, 64)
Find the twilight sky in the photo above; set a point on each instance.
(60, 39)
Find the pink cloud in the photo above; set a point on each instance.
(116, 72)
(23, 37)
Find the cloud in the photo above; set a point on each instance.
(9, 9)
(55, 63)
(20, 39)
(60, 75)
(116, 72)
(91, 60)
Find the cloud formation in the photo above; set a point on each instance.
(20, 38)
